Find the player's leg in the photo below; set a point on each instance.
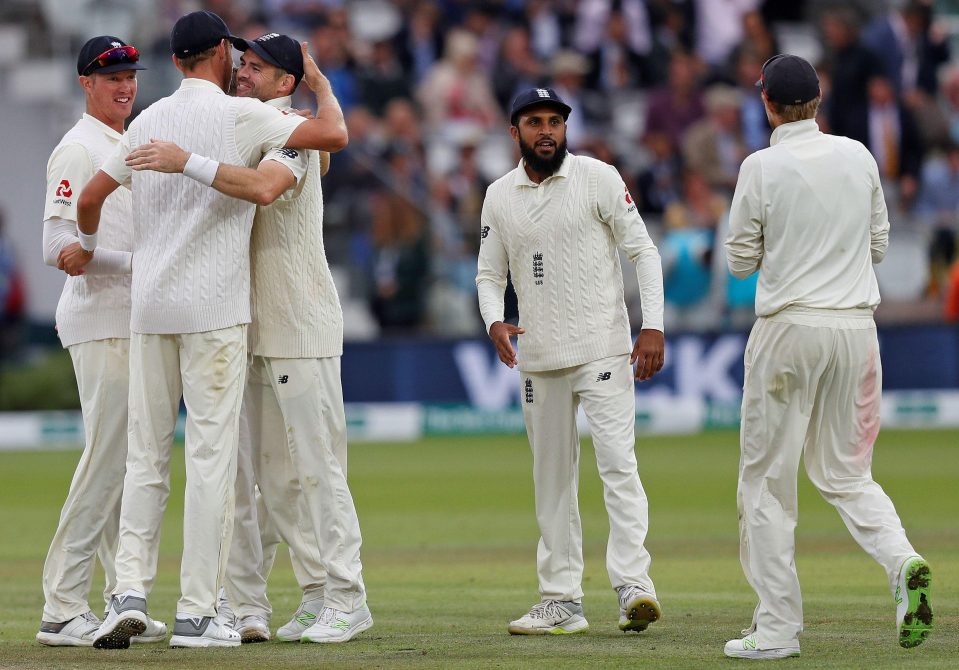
(88, 519)
(245, 578)
(782, 365)
(154, 400)
(280, 508)
(606, 391)
(310, 396)
(549, 409)
(213, 366)
(839, 462)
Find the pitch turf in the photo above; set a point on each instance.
(449, 551)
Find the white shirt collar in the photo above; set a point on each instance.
(797, 130)
(193, 82)
(522, 179)
(107, 130)
(281, 103)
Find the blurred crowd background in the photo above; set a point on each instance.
(662, 89)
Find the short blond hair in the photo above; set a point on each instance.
(190, 62)
(790, 113)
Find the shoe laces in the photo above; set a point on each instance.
(327, 616)
(627, 593)
(548, 609)
(91, 617)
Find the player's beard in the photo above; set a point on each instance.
(543, 166)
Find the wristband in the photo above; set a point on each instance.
(87, 242)
(201, 168)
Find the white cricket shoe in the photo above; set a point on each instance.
(77, 632)
(913, 602)
(637, 608)
(126, 618)
(202, 631)
(747, 647)
(155, 632)
(551, 617)
(253, 628)
(304, 617)
(334, 625)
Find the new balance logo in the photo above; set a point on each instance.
(542, 92)
(288, 153)
(282, 379)
(306, 619)
(529, 391)
(341, 624)
(484, 231)
(749, 643)
(603, 376)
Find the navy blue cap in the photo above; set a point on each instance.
(198, 31)
(789, 80)
(281, 51)
(104, 54)
(537, 96)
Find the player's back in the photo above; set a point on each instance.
(818, 197)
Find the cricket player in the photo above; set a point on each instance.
(555, 223)
(809, 215)
(190, 310)
(295, 443)
(93, 322)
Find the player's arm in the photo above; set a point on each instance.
(879, 219)
(744, 244)
(327, 131)
(260, 186)
(60, 235)
(491, 271)
(619, 212)
(73, 260)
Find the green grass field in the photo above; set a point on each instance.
(449, 550)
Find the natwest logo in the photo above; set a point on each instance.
(64, 189)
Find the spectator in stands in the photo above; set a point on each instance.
(382, 78)
(456, 96)
(938, 206)
(331, 53)
(951, 311)
(758, 36)
(616, 38)
(569, 70)
(852, 66)
(660, 182)
(719, 28)
(12, 297)
(747, 65)
(420, 42)
(687, 253)
(911, 48)
(518, 68)
(677, 105)
(893, 139)
(400, 253)
(714, 146)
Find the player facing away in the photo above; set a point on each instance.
(294, 447)
(555, 222)
(809, 215)
(93, 322)
(189, 316)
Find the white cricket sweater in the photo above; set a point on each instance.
(191, 244)
(558, 239)
(91, 307)
(809, 214)
(296, 310)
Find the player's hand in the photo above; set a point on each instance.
(649, 353)
(73, 258)
(500, 333)
(315, 79)
(158, 156)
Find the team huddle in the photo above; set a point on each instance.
(205, 279)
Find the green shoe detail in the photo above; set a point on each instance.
(305, 619)
(560, 631)
(917, 622)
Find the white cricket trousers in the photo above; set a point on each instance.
(297, 434)
(813, 382)
(91, 513)
(208, 370)
(550, 401)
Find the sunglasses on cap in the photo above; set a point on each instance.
(113, 56)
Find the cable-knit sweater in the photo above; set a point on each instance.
(558, 240)
(191, 244)
(296, 310)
